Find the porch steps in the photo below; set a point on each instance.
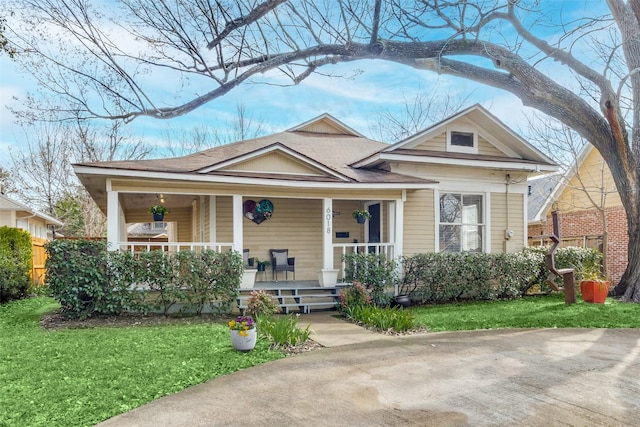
(300, 300)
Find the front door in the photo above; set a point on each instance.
(374, 227)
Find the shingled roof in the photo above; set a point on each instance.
(333, 151)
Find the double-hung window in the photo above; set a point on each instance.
(461, 222)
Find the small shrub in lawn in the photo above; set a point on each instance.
(261, 303)
(282, 330)
(354, 295)
(383, 319)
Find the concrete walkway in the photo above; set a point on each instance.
(550, 377)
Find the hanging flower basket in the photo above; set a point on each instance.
(158, 212)
(361, 216)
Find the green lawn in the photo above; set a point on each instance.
(79, 377)
(529, 312)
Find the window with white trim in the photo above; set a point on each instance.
(461, 226)
(462, 141)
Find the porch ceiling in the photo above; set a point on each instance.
(171, 201)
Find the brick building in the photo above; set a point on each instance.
(582, 197)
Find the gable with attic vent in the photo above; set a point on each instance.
(442, 143)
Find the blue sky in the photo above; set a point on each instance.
(354, 101)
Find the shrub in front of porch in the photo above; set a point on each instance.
(376, 272)
(209, 277)
(88, 280)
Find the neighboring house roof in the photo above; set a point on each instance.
(24, 211)
(518, 153)
(541, 194)
(151, 230)
(549, 188)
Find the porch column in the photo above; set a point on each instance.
(113, 218)
(327, 276)
(237, 223)
(399, 228)
(212, 219)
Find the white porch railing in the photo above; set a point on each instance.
(134, 247)
(388, 249)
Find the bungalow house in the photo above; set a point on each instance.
(589, 209)
(459, 185)
(17, 215)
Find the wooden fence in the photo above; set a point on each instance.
(39, 259)
(593, 241)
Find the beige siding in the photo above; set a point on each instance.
(486, 148)
(180, 216)
(273, 162)
(438, 143)
(224, 219)
(503, 219)
(7, 218)
(324, 126)
(443, 173)
(295, 225)
(593, 180)
(419, 222)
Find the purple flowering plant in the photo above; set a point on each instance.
(242, 324)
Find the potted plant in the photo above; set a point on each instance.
(593, 287)
(361, 215)
(243, 333)
(262, 265)
(158, 212)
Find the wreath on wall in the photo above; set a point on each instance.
(258, 212)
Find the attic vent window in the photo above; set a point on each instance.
(462, 141)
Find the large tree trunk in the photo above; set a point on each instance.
(629, 287)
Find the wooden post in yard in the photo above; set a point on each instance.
(568, 275)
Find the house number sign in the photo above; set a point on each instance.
(328, 217)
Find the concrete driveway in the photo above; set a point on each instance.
(577, 377)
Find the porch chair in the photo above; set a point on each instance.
(280, 261)
(248, 262)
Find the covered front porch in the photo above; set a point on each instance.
(316, 227)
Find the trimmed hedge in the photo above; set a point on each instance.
(375, 271)
(88, 280)
(444, 277)
(16, 258)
